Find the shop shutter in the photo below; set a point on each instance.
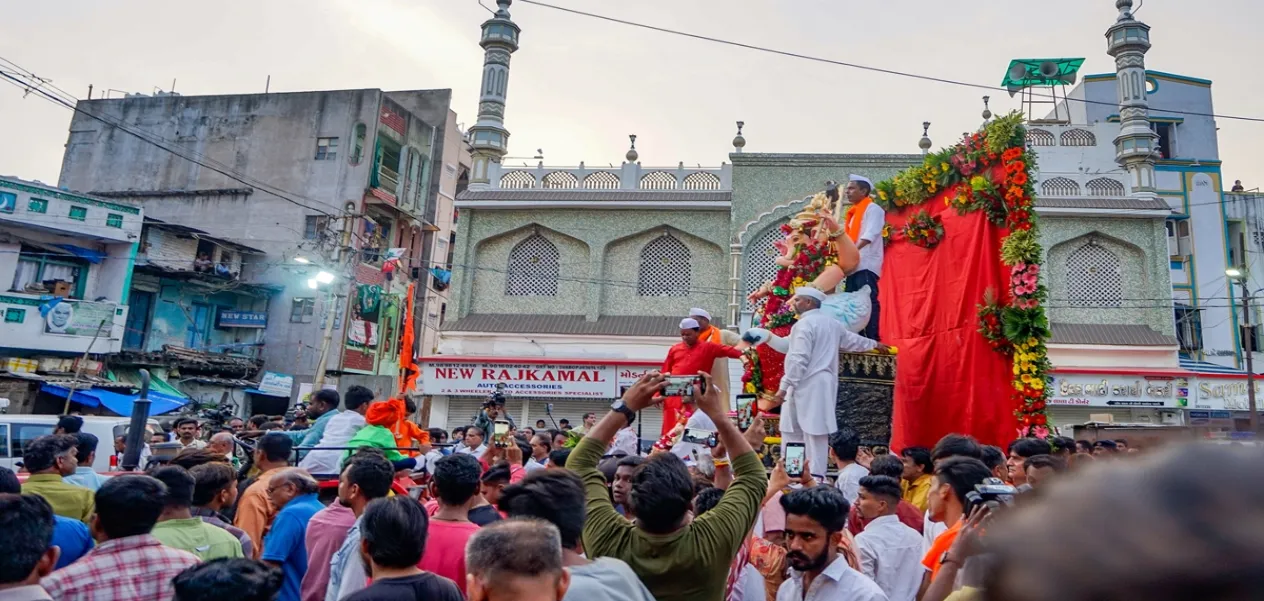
(1067, 417)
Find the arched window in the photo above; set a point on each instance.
(517, 180)
(1105, 186)
(1078, 137)
(533, 268)
(560, 180)
(1094, 278)
(1040, 137)
(665, 268)
(357, 143)
(701, 180)
(658, 180)
(760, 259)
(602, 180)
(1059, 186)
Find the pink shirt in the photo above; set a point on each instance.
(325, 533)
(445, 550)
(774, 516)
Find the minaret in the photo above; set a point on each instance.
(488, 137)
(1127, 41)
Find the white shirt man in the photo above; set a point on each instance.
(891, 554)
(338, 432)
(809, 385)
(837, 582)
(848, 480)
(872, 218)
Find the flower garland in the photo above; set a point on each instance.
(990, 171)
(924, 230)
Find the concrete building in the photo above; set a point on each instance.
(287, 174)
(67, 261)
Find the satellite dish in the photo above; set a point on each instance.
(1018, 72)
(1049, 70)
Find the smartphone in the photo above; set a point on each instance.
(796, 453)
(681, 386)
(745, 411)
(705, 438)
(501, 433)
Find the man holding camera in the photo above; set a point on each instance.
(954, 479)
(493, 409)
(689, 357)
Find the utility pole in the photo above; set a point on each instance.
(1248, 350)
(331, 301)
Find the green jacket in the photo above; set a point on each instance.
(375, 436)
(690, 564)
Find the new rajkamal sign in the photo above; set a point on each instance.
(1119, 391)
(521, 380)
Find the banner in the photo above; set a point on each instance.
(1117, 391)
(232, 318)
(79, 318)
(521, 380)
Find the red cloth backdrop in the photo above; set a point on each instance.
(948, 378)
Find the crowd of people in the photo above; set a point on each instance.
(539, 516)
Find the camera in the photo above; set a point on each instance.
(991, 493)
(497, 397)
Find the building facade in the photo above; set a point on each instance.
(355, 183)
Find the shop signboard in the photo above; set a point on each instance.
(522, 380)
(1226, 394)
(1119, 391)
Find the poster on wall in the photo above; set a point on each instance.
(79, 318)
(525, 380)
(305, 390)
(628, 375)
(276, 384)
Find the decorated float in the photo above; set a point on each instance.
(961, 296)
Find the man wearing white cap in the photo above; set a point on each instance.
(691, 356)
(809, 387)
(862, 223)
(714, 335)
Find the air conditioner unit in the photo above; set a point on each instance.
(1171, 418)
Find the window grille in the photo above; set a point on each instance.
(1059, 186)
(1040, 137)
(1078, 137)
(602, 180)
(760, 257)
(1094, 278)
(560, 180)
(665, 268)
(517, 180)
(533, 268)
(701, 180)
(658, 180)
(1104, 186)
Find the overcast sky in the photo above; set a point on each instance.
(579, 86)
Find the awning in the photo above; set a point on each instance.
(92, 256)
(257, 391)
(1209, 368)
(131, 377)
(118, 403)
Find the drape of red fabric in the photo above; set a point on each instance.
(948, 378)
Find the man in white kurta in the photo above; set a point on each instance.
(809, 386)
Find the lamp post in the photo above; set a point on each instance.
(1240, 275)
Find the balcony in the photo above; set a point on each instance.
(70, 326)
(629, 176)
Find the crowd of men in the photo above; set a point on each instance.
(541, 517)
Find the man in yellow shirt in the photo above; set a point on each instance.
(49, 459)
(916, 478)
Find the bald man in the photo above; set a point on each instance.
(223, 443)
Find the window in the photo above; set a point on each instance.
(326, 149)
(1094, 278)
(533, 268)
(1040, 137)
(760, 257)
(1104, 186)
(314, 227)
(38, 272)
(451, 249)
(22, 434)
(1078, 137)
(1189, 329)
(665, 268)
(1167, 138)
(1183, 243)
(37, 205)
(79, 213)
(114, 220)
(357, 147)
(8, 202)
(387, 175)
(1059, 186)
(302, 310)
(14, 315)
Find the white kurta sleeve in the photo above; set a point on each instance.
(799, 356)
(853, 343)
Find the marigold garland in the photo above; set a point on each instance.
(924, 230)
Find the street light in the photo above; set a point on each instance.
(313, 284)
(325, 277)
(303, 260)
(1240, 274)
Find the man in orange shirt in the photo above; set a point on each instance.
(691, 356)
(255, 510)
(953, 479)
(709, 333)
(406, 431)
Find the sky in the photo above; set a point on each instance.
(578, 86)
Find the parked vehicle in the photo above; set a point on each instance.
(16, 430)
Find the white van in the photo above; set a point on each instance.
(16, 430)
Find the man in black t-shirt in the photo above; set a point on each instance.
(393, 537)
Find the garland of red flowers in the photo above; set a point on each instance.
(923, 230)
